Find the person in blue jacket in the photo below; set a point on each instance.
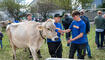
(16, 21)
(55, 47)
(86, 20)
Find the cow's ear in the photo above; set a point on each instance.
(52, 20)
(40, 27)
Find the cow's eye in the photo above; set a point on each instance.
(49, 29)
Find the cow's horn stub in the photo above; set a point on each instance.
(40, 27)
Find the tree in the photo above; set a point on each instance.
(85, 3)
(43, 8)
(102, 6)
(12, 7)
(63, 4)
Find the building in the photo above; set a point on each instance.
(97, 3)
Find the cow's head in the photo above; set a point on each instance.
(48, 29)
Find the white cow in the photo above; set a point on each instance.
(30, 34)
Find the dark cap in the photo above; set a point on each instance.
(57, 15)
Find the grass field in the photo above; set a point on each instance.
(6, 52)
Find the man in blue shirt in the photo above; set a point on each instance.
(78, 41)
(55, 47)
(16, 21)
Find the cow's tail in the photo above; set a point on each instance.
(9, 34)
(8, 30)
(7, 27)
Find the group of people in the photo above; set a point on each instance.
(79, 27)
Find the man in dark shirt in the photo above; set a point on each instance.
(66, 23)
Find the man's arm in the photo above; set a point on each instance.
(79, 36)
(67, 30)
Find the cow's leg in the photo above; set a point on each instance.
(34, 53)
(39, 54)
(14, 52)
(30, 53)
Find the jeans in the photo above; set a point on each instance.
(88, 49)
(97, 39)
(1, 43)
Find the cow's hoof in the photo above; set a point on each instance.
(30, 56)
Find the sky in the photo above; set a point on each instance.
(27, 2)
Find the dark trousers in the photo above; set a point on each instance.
(55, 49)
(97, 39)
(68, 36)
(80, 48)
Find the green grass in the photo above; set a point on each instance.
(6, 52)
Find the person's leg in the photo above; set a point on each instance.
(52, 49)
(97, 39)
(88, 50)
(81, 51)
(102, 38)
(1, 44)
(72, 51)
(59, 50)
(68, 37)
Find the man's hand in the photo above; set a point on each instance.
(66, 31)
(60, 31)
(69, 41)
(88, 32)
(62, 34)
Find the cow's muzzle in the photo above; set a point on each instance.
(55, 38)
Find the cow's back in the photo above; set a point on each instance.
(23, 33)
